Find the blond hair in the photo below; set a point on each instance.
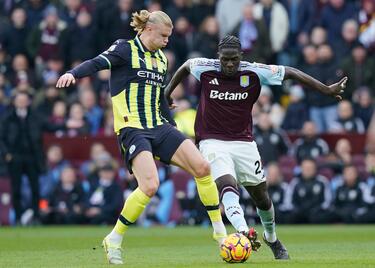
(141, 18)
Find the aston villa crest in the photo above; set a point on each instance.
(244, 80)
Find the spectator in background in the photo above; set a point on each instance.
(55, 163)
(349, 39)
(101, 87)
(21, 144)
(340, 157)
(45, 100)
(53, 69)
(93, 112)
(77, 116)
(185, 117)
(370, 141)
(35, 9)
(334, 15)
(70, 11)
(66, 202)
(367, 24)
(177, 9)
(349, 197)
(276, 20)
(200, 10)
(47, 40)
(364, 106)
(272, 143)
(370, 168)
(21, 75)
(14, 36)
(82, 42)
(98, 157)
(273, 109)
(253, 34)
(297, 111)
(115, 23)
(277, 190)
(108, 125)
(310, 194)
(207, 38)
(347, 122)
(358, 67)
(318, 36)
(105, 197)
(181, 40)
(327, 63)
(309, 145)
(3, 99)
(367, 215)
(302, 16)
(322, 108)
(4, 61)
(58, 114)
(228, 15)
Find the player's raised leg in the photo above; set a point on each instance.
(188, 157)
(145, 171)
(230, 198)
(266, 212)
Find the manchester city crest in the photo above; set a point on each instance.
(154, 63)
(244, 80)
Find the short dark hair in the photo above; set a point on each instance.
(230, 41)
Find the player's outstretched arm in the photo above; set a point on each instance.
(179, 75)
(86, 68)
(334, 90)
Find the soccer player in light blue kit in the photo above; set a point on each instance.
(223, 129)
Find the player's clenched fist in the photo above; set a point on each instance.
(65, 80)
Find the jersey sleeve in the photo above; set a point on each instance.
(269, 74)
(116, 54)
(201, 65)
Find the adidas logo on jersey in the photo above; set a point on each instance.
(214, 82)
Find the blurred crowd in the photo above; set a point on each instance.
(327, 39)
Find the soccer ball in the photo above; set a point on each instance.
(236, 248)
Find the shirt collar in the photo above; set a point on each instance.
(141, 46)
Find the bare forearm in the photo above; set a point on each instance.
(180, 75)
(305, 79)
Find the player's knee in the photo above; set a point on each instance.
(263, 203)
(202, 169)
(149, 186)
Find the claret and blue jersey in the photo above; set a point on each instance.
(224, 111)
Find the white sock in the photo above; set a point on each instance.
(234, 211)
(267, 217)
(219, 228)
(115, 238)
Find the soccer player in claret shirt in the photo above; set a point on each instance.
(223, 129)
(138, 70)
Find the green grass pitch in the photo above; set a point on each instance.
(338, 246)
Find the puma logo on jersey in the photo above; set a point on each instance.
(215, 94)
(214, 82)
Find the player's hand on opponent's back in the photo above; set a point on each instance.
(65, 80)
(335, 90)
